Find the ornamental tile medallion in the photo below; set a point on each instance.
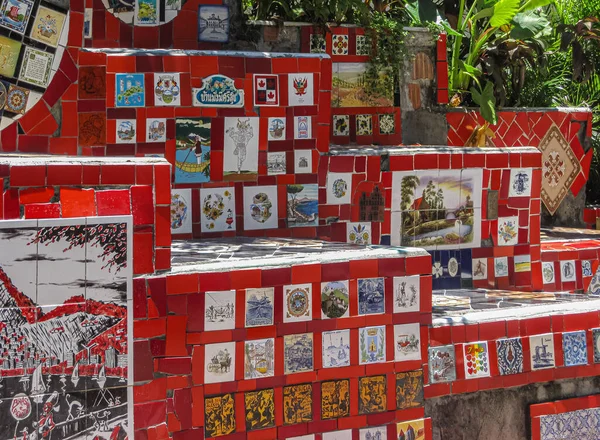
(575, 348)
(560, 167)
(510, 356)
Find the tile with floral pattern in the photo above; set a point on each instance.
(596, 343)
(387, 123)
(341, 125)
(340, 44)
(364, 125)
(363, 45)
(510, 356)
(317, 43)
(575, 348)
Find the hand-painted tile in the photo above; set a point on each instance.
(47, 26)
(219, 310)
(167, 89)
(297, 303)
(364, 125)
(219, 362)
(501, 267)
(298, 353)
(317, 43)
(335, 399)
(259, 307)
(276, 163)
(442, 364)
(508, 231)
(15, 14)
(476, 360)
(129, 89)
(542, 351)
(363, 45)
(218, 91)
(349, 89)
(345, 434)
(574, 348)
(219, 415)
(303, 127)
(581, 424)
(181, 211)
(339, 44)
(240, 159)
(260, 409)
(213, 23)
(594, 287)
(567, 271)
(409, 390)
(335, 299)
(407, 342)
(407, 294)
(522, 263)
(302, 161)
(510, 356)
(358, 233)
(520, 182)
(596, 344)
(297, 404)
(548, 272)
(276, 129)
(410, 429)
(302, 205)
(372, 394)
(266, 90)
(371, 345)
(480, 268)
(16, 99)
(586, 268)
(339, 186)
(260, 207)
(371, 296)
(341, 125)
(387, 123)
(301, 89)
(217, 209)
(336, 348)
(125, 131)
(259, 358)
(156, 130)
(373, 433)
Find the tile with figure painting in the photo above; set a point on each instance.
(373, 433)
(335, 399)
(567, 271)
(409, 389)
(240, 157)
(297, 404)
(219, 310)
(371, 296)
(442, 364)
(219, 362)
(372, 394)
(520, 182)
(260, 409)
(407, 294)
(219, 415)
(407, 342)
(192, 150)
(345, 434)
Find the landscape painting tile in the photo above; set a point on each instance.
(335, 299)
(298, 353)
(219, 310)
(371, 296)
(259, 358)
(336, 348)
(259, 307)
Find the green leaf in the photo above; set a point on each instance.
(470, 69)
(534, 4)
(486, 101)
(504, 11)
(487, 12)
(427, 11)
(449, 30)
(528, 24)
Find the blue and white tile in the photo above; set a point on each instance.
(596, 342)
(542, 351)
(575, 348)
(510, 356)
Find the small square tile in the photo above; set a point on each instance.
(480, 268)
(520, 182)
(476, 360)
(341, 125)
(542, 351)
(522, 263)
(16, 99)
(594, 287)
(339, 44)
(371, 345)
(407, 342)
(548, 272)
(510, 356)
(303, 162)
(317, 43)
(596, 342)
(125, 131)
(276, 129)
(501, 267)
(574, 348)
(508, 231)
(364, 125)
(442, 364)
(387, 123)
(567, 271)
(302, 127)
(339, 187)
(586, 268)
(276, 163)
(358, 233)
(181, 211)
(363, 45)
(156, 130)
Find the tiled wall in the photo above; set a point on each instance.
(54, 188)
(179, 391)
(569, 266)
(570, 418)
(505, 352)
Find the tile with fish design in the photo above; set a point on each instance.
(297, 404)
(409, 389)
(372, 394)
(260, 409)
(335, 399)
(407, 294)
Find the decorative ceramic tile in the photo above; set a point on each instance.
(594, 287)
(560, 167)
(260, 409)
(426, 198)
(213, 23)
(407, 342)
(15, 14)
(301, 89)
(297, 304)
(240, 158)
(520, 182)
(437, 270)
(453, 267)
(476, 360)
(387, 123)
(596, 344)
(218, 91)
(409, 390)
(567, 271)
(92, 129)
(371, 345)
(125, 131)
(147, 12)
(510, 356)
(276, 129)
(217, 209)
(297, 404)
(36, 67)
(129, 89)
(276, 163)
(317, 43)
(492, 205)
(219, 362)
(181, 211)
(364, 125)
(371, 296)
(259, 307)
(480, 268)
(586, 268)
(88, 17)
(345, 434)
(358, 233)
(581, 425)
(259, 358)
(302, 161)
(522, 263)
(371, 206)
(363, 45)
(260, 207)
(501, 267)
(219, 415)
(508, 231)
(166, 89)
(47, 26)
(334, 299)
(574, 348)
(349, 88)
(335, 399)
(541, 351)
(548, 272)
(339, 44)
(298, 353)
(10, 50)
(372, 395)
(219, 310)
(407, 296)
(302, 205)
(372, 433)
(341, 125)
(156, 130)
(442, 364)
(302, 127)
(92, 82)
(16, 99)
(336, 348)
(339, 186)
(266, 90)
(410, 429)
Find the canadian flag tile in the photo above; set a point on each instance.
(266, 90)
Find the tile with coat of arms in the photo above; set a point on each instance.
(371, 344)
(298, 303)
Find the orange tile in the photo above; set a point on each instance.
(78, 202)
